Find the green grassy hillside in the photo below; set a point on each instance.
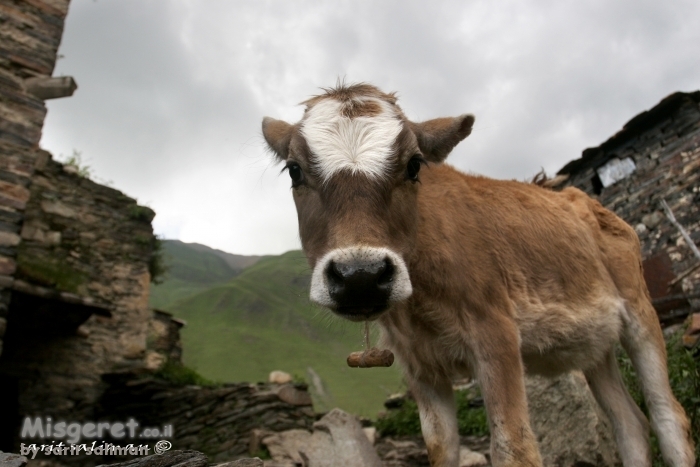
(193, 268)
(252, 322)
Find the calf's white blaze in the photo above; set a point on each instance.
(401, 287)
(362, 144)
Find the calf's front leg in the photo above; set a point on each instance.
(438, 420)
(499, 368)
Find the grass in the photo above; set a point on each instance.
(181, 375)
(201, 267)
(259, 320)
(471, 417)
(262, 454)
(171, 290)
(185, 272)
(401, 421)
(49, 271)
(157, 268)
(75, 160)
(141, 213)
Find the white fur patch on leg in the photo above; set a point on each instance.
(666, 415)
(438, 421)
(664, 419)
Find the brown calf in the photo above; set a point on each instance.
(472, 276)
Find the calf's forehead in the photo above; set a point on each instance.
(357, 135)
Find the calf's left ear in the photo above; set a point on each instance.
(437, 137)
(277, 134)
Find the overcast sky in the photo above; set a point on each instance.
(171, 93)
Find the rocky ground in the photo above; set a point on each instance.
(410, 451)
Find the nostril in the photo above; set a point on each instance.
(334, 275)
(386, 275)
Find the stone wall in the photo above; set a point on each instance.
(79, 302)
(86, 241)
(664, 144)
(30, 32)
(218, 421)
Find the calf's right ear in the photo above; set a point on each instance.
(277, 134)
(437, 137)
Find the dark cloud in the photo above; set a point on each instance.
(171, 93)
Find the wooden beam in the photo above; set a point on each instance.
(684, 233)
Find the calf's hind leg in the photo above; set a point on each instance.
(629, 423)
(644, 342)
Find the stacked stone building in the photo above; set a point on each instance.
(29, 35)
(78, 341)
(654, 158)
(74, 255)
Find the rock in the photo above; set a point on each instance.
(7, 266)
(285, 446)
(653, 219)
(133, 346)
(70, 169)
(58, 208)
(45, 87)
(371, 434)
(410, 451)
(670, 331)
(280, 377)
(255, 441)
(52, 238)
(402, 453)
(395, 401)
(570, 426)
(8, 459)
(397, 444)
(469, 458)
(9, 239)
(338, 441)
(247, 462)
(294, 396)
(167, 459)
(154, 360)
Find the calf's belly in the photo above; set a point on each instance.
(558, 338)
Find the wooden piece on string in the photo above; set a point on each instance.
(371, 358)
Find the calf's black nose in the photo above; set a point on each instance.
(362, 285)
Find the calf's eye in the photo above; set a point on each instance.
(413, 168)
(295, 173)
